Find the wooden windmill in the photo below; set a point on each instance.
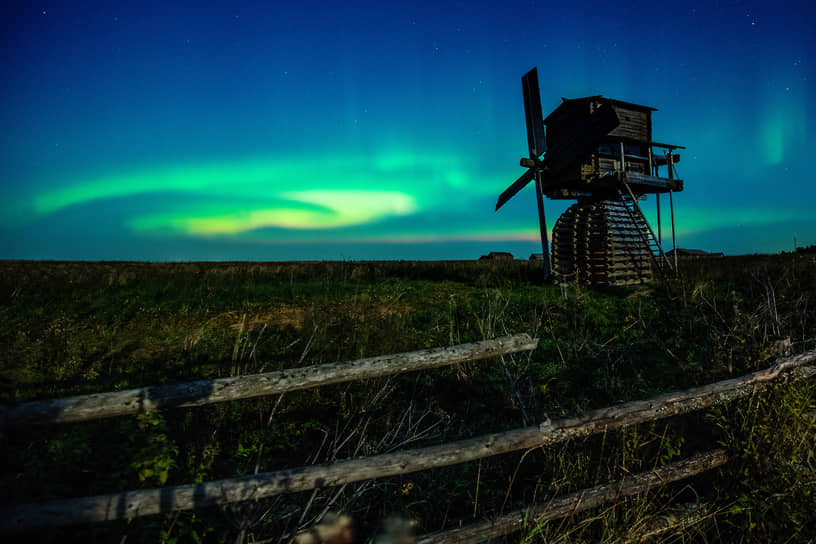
(599, 152)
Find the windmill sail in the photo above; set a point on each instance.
(536, 138)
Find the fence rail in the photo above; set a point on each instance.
(579, 501)
(132, 504)
(199, 393)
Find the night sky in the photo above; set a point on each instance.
(381, 130)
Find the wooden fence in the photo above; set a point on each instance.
(145, 502)
(199, 393)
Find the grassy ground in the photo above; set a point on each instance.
(72, 328)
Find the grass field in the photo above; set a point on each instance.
(73, 328)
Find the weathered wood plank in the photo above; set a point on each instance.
(638, 179)
(578, 501)
(198, 393)
(677, 519)
(185, 497)
(662, 160)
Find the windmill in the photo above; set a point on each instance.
(599, 152)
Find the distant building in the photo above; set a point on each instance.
(696, 253)
(497, 256)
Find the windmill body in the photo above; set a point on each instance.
(599, 152)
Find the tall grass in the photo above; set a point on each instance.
(73, 328)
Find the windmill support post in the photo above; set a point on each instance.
(674, 241)
(542, 223)
(659, 228)
(653, 170)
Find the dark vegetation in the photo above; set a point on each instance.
(75, 328)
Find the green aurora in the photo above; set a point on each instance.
(319, 199)
(243, 127)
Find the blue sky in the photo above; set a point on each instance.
(363, 130)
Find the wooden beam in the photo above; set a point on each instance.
(677, 519)
(579, 501)
(198, 393)
(660, 160)
(147, 502)
(636, 179)
(542, 226)
(645, 142)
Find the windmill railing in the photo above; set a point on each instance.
(653, 160)
(670, 147)
(130, 504)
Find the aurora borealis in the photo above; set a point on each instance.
(363, 130)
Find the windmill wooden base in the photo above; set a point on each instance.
(598, 243)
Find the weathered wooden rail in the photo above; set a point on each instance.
(201, 392)
(132, 504)
(579, 501)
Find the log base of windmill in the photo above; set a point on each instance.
(599, 243)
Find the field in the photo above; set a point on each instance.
(73, 328)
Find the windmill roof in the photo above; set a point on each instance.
(566, 102)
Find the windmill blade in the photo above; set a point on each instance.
(517, 186)
(537, 143)
(582, 137)
(536, 138)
